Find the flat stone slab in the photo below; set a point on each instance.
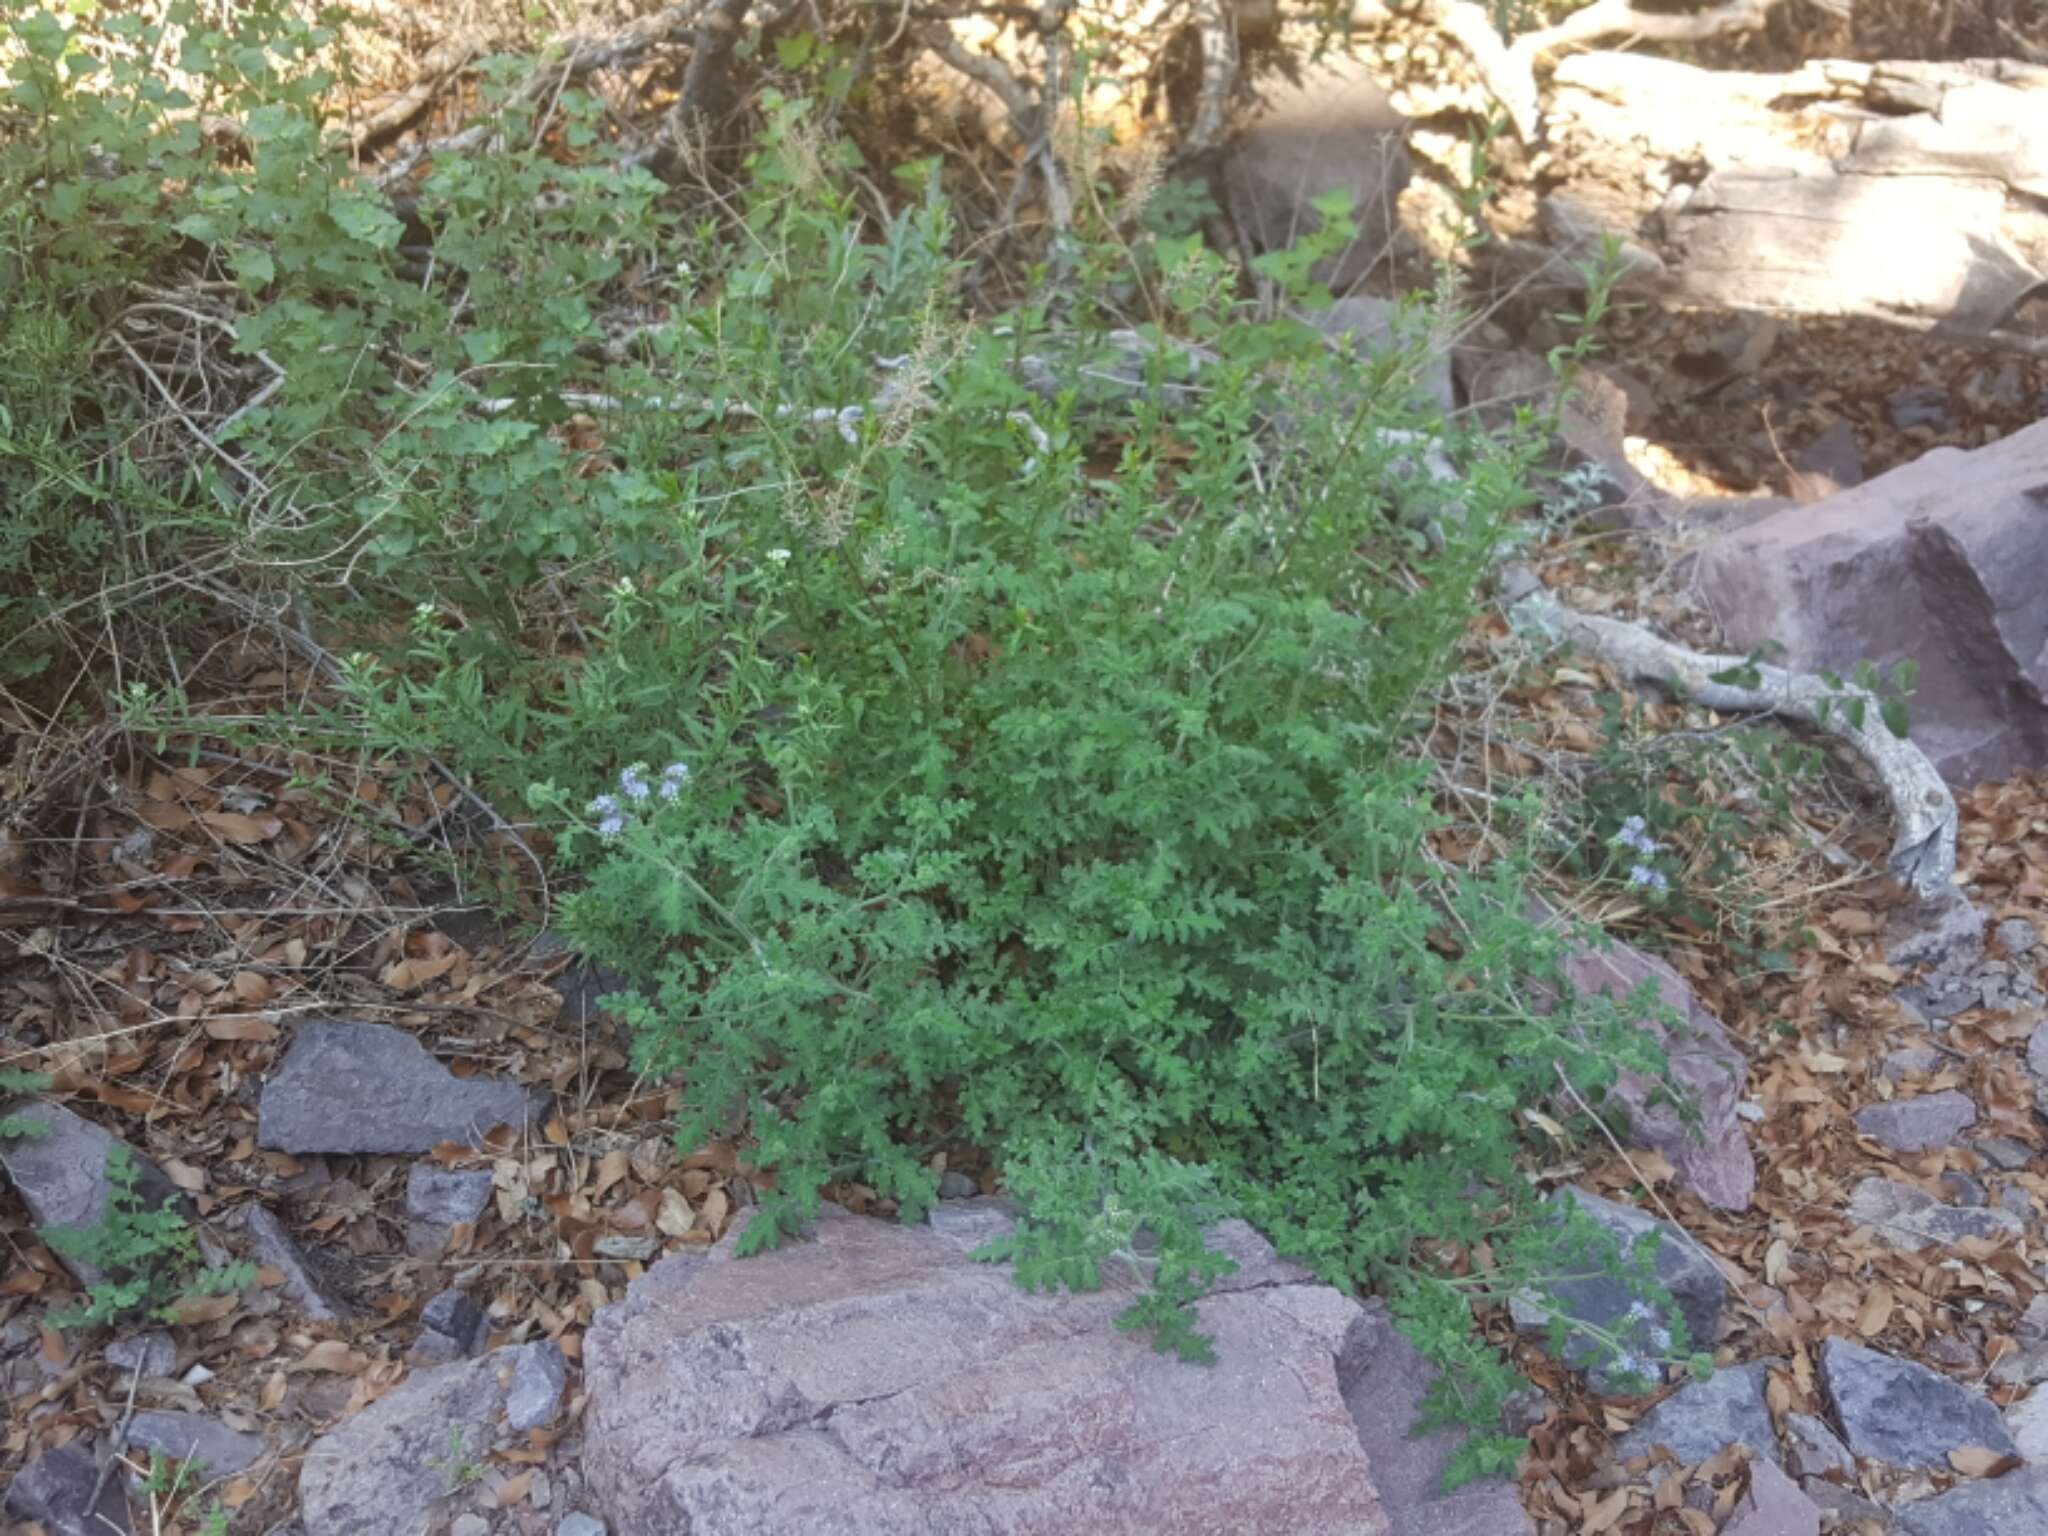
(387, 1469)
(1903, 1414)
(1915, 1124)
(877, 1381)
(61, 1173)
(217, 1450)
(2005, 1506)
(346, 1086)
(57, 1490)
(1699, 1421)
(1905, 1218)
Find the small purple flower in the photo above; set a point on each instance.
(633, 782)
(1647, 878)
(1635, 833)
(611, 827)
(673, 778)
(604, 805)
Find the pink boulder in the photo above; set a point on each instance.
(875, 1379)
(1942, 561)
(1711, 1154)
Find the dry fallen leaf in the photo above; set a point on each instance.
(1980, 1461)
(237, 828)
(241, 1026)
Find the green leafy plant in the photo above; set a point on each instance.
(146, 1250)
(16, 1126)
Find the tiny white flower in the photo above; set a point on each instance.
(426, 610)
(779, 556)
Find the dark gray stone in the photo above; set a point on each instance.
(968, 1224)
(1914, 1058)
(539, 1375)
(1963, 1189)
(2007, 1506)
(1903, 1414)
(1373, 327)
(272, 1246)
(2037, 1050)
(1924, 405)
(346, 1086)
(2003, 1153)
(1694, 1281)
(152, 1354)
(444, 1196)
(194, 1437)
(2018, 936)
(458, 1320)
(1700, 1420)
(61, 1173)
(1915, 1124)
(957, 1186)
(56, 1489)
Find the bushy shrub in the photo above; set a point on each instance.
(1007, 722)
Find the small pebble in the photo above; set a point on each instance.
(580, 1524)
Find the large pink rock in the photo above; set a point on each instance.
(1943, 561)
(1711, 1154)
(877, 1380)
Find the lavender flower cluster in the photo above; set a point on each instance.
(614, 813)
(1635, 835)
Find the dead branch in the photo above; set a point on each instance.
(569, 61)
(705, 80)
(447, 59)
(1923, 852)
(1617, 18)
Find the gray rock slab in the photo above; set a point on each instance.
(1903, 1217)
(2037, 1050)
(1694, 1281)
(577, 1523)
(1372, 326)
(272, 1246)
(2028, 1421)
(1917, 1123)
(875, 1380)
(61, 1173)
(2007, 1506)
(56, 1489)
(2019, 936)
(386, 1470)
(1698, 1421)
(454, 1317)
(1903, 1414)
(152, 1354)
(539, 1376)
(194, 1437)
(346, 1086)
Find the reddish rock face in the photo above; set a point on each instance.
(1943, 561)
(877, 1380)
(1712, 1157)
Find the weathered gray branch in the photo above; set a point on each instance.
(1923, 852)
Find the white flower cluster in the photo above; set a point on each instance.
(615, 812)
(1635, 834)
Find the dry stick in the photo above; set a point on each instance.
(99, 1483)
(1924, 814)
(447, 59)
